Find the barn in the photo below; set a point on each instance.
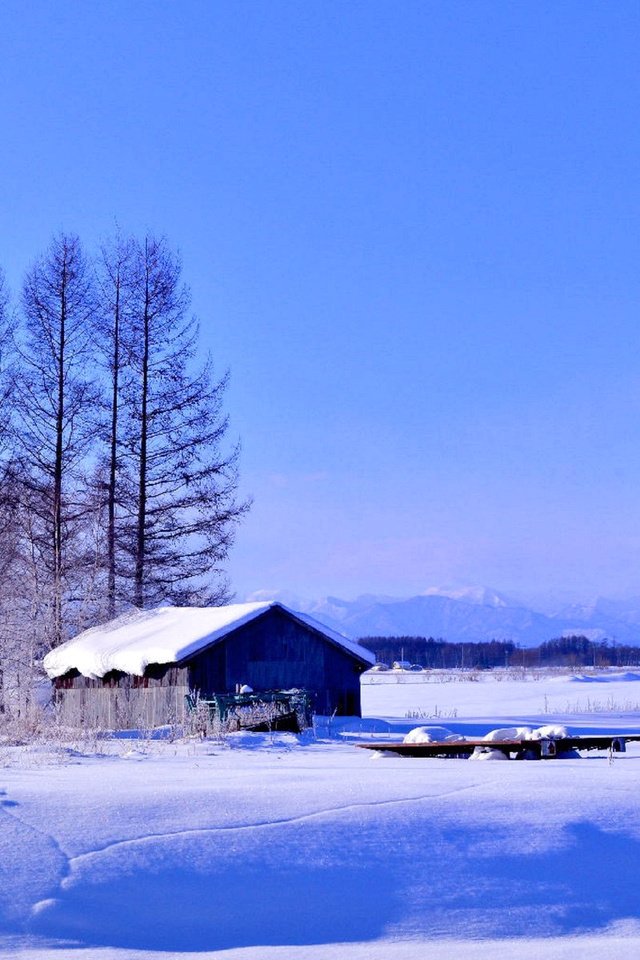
(136, 670)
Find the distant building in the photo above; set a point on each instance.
(136, 670)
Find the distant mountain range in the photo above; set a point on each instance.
(472, 614)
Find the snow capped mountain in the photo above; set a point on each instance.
(289, 599)
(627, 611)
(485, 596)
(437, 616)
(468, 614)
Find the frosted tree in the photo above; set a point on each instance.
(57, 401)
(177, 483)
(19, 620)
(116, 285)
(8, 525)
(7, 375)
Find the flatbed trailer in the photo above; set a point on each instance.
(546, 748)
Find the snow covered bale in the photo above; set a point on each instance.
(509, 733)
(431, 735)
(551, 731)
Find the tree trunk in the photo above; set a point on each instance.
(57, 469)
(113, 460)
(144, 427)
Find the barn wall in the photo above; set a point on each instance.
(122, 702)
(275, 652)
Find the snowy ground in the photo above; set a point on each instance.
(499, 693)
(287, 848)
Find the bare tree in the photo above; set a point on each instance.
(56, 402)
(179, 482)
(115, 273)
(18, 626)
(7, 373)
(105, 503)
(7, 501)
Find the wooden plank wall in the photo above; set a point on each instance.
(120, 707)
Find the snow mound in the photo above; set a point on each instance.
(548, 732)
(483, 753)
(552, 731)
(510, 733)
(431, 735)
(628, 676)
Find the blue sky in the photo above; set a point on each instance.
(410, 230)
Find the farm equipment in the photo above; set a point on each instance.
(545, 748)
(265, 710)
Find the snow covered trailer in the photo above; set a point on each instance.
(545, 748)
(136, 671)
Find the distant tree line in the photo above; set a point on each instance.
(117, 487)
(571, 651)
(580, 651)
(427, 652)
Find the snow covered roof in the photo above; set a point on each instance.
(167, 635)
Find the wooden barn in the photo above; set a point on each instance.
(137, 670)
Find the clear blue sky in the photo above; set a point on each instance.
(411, 230)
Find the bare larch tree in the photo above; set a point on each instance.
(115, 275)
(180, 485)
(57, 402)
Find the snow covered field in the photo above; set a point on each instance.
(306, 848)
(499, 693)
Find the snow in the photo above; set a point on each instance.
(628, 676)
(430, 734)
(284, 847)
(165, 635)
(509, 733)
(550, 731)
(483, 753)
(497, 693)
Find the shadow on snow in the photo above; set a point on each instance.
(346, 877)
